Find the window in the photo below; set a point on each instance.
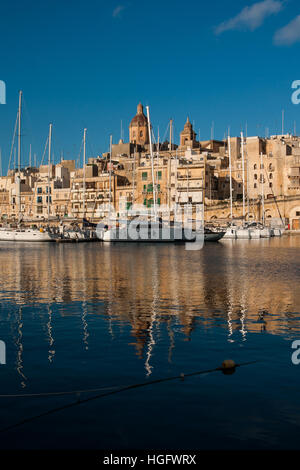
(39, 190)
(158, 187)
(144, 187)
(270, 184)
(255, 167)
(141, 133)
(270, 176)
(39, 209)
(159, 175)
(298, 214)
(39, 199)
(150, 188)
(144, 175)
(255, 176)
(158, 201)
(255, 185)
(145, 202)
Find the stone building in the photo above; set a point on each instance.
(138, 129)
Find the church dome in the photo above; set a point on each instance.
(140, 118)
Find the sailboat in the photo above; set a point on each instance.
(232, 229)
(23, 234)
(154, 232)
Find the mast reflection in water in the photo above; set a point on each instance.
(84, 316)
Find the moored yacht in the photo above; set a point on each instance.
(26, 235)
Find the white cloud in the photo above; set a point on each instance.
(289, 34)
(251, 17)
(117, 11)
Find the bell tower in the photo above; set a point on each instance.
(188, 136)
(138, 129)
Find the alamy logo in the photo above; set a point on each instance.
(296, 354)
(296, 94)
(2, 92)
(2, 352)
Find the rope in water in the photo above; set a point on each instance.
(51, 394)
(229, 367)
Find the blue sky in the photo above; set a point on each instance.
(88, 64)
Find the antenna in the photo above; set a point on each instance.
(282, 128)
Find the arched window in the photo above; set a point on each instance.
(255, 166)
(255, 185)
(270, 166)
(271, 176)
(255, 176)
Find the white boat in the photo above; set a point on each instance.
(140, 232)
(75, 234)
(265, 232)
(254, 233)
(230, 233)
(243, 233)
(26, 235)
(277, 232)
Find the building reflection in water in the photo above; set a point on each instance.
(228, 285)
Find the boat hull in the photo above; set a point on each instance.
(230, 234)
(213, 237)
(243, 234)
(25, 236)
(155, 237)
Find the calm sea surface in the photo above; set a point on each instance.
(89, 316)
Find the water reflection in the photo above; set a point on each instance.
(244, 287)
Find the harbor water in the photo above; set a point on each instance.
(98, 316)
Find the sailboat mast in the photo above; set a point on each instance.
(248, 201)
(19, 132)
(110, 161)
(262, 188)
(49, 163)
(243, 171)
(19, 153)
(230, 176)
(152, 163)
(84, 173)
